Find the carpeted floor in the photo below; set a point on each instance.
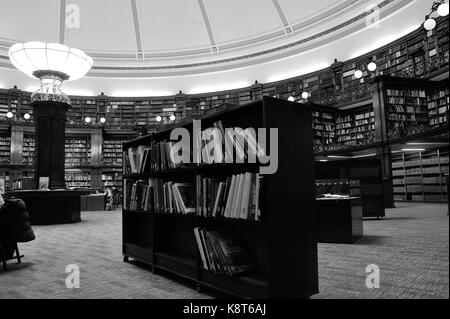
(410, 247)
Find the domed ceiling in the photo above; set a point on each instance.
(166, 38)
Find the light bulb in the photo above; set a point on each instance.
(372, 66)
(358, 74)
(102, 120)
(87, 119)
(305, 95)
(291, 99)
(172, 117)
(9, 115)
(443, 10)
(430, 24)
(26, 116)
(158, 118)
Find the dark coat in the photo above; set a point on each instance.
(15, 224)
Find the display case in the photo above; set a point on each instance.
(339, 211)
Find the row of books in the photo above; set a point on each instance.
(154, 195)
(160, 156)
(222, 253)
(407, 93)
(237, 196)
(233, 197)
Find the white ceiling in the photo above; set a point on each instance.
(155, 41)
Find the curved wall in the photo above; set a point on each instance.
(349, 44)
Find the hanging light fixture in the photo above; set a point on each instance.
(26, 116)
(9, 114)
(52, 64)
(158, 118)
(291, 99)
(441, 7)
(305, 95)
(172, 117)
(87, 119)
(102, 120)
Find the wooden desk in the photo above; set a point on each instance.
(52, 206)
(339, 220)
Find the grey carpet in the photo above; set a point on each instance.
(410, 246)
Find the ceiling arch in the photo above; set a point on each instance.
(159, 39)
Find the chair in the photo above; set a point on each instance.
(4, 258)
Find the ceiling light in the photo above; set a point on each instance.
(372, 66)
(158, 118)
(291, 99)
(87, 119)
(429, 24)
(339, 156)
(9, 115)
(305, 95)
(172, 117)
(26, 116)
(102, 120)
(51, 63)
(358, 74)
(443, 10)
(413, 150)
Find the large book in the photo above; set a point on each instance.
(243, 214)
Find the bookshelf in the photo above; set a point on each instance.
(355, 127)
(282, 244)
(420, 176)
(28, 150)
(324, 130)
(78, 151)
(112, 152)
(5, 149)
(438, 106)
(77, 179)
(112, 179)
(407, 111)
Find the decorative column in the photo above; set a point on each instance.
(381, 137)
(50, 118)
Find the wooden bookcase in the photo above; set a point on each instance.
(282, 245)
(420, 176)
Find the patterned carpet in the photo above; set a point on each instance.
(411, 248)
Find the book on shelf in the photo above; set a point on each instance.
(222, 253)
(154, 195)
(235, 197)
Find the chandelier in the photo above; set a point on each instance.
(52, 64)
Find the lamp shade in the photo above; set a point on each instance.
(32, 57)
(443, 10)
(429, 24)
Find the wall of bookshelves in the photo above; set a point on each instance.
(77, 178)
(5, 148)
(421, 176)
(438, 106)
(407, 111)
(28, 149)
(78, 151)
(112, 152)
